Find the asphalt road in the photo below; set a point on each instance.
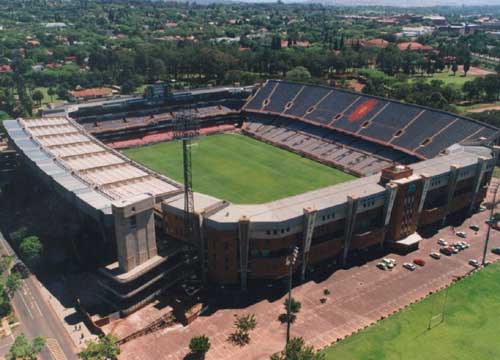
(37, 317)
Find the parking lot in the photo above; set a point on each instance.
(358, 297)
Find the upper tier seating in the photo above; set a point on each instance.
(416, 130)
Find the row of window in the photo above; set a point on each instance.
(277, 231)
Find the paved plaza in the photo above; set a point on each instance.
(359, 296)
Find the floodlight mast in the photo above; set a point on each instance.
(186, 128)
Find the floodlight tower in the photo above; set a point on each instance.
(186, 128)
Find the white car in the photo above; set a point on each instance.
(461, 234)
(435, 255)
(474, 263)
(409, 266)
(442, 242)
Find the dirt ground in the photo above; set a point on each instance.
(475, 71)
(359, 297)
(494, 107)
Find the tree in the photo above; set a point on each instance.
(297, 350)
(38, 97)
(17, 236)
(103, 349)
(472, 89)
(466, 66)
(299, 74)
(51, 92)
(294, 310)
(243, 324)
(128, 87)
(199, 346)
(454, 68)
(276, 42)
(62, 92)
(31, 249)
(23, 349)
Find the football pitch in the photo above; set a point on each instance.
(239, 169)
(464, 325)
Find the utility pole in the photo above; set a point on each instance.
(490, 222)
(290, 262)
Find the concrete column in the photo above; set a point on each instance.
(244, 239)
(425, 189)
(134, 231)
(391, 191)
(202, 247)
(309, 221)
(480, 170)
(452, 184)
(350, 219)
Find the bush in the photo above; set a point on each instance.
(294, 305)
(199, 345)
(17, 236)
(31, 249)
(299, 74)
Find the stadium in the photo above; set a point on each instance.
(331, 172)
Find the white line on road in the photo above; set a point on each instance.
(27, 307)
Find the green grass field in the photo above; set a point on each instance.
(447, 77)
(240, 169)
(469, 330)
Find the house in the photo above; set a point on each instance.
(88, 94)
(5, 69)
(374, 43)
(414, 46)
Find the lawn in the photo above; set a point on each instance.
(447, 77)
(240, 169)
(469, 330)
(496, 172)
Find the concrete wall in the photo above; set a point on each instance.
(135, 231)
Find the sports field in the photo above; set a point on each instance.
(469, 329)
(240, 169)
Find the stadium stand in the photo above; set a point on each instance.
(352, 155)
(106, 171)
(131, 121)
(415, 130)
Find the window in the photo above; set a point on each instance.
(133, 222)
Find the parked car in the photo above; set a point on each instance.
(447, 250)
(474, 263)
(382, 266)
(435, 255)
(474, 227)
(496, 250)
(419, 262)
(442, 242)
(409, 266)
(390, 263)
(461, 234)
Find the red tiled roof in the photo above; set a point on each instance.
(284, 43)
(413, 45)
(5, 68)
(91, 93)
(378, 43)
